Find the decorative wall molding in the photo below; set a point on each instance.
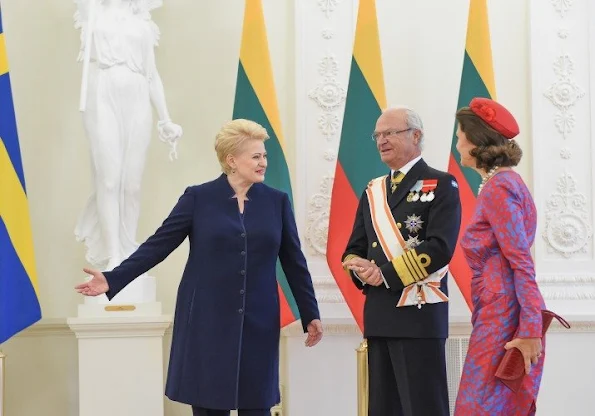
(564, 93)
(327, 34)
(323, 58)
(328, 6)
(49, 327)
(330, 155)
(328, 94)
(562, 38)
(331, 327)
(563, 33)
(562, 6)
(565, 153)
(336, 327)
(576, 287)
(329, 124)
(326, 290)
(567, 230)
(318, 217)
(566, 278)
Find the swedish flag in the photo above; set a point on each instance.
(19, 304)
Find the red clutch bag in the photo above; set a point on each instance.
(511, 370)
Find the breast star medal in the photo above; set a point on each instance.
(413, 223)
(412, 242)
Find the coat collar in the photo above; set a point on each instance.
(223, 184)
(406, 184)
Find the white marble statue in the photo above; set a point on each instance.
(120, 82)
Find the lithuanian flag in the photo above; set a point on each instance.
(256, 100)
(477, 80)
(358, 160)
(19, 304)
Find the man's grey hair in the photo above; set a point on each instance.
(413, 121)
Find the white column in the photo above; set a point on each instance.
(323, 48)
(563, 88)
(120, 364)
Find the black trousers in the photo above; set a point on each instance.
(201, 411)
(407, 377)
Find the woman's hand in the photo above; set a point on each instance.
(314, 333)
(529, 347)
(96, 286)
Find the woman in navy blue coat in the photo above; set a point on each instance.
(225, 346)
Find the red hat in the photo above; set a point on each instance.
(494, 114)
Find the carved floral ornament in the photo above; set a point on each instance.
(329, 95)
(328, 6)
(328, 123)
(318, 217)
(564, 94)
(562, 6)
(327, 34)
(567, 229)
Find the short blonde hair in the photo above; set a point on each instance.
(232, 137)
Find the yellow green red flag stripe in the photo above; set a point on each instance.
(358, 160)
(477, 80)
(256, 100)
(19, 304)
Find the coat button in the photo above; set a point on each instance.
(374, 244)
(242, 292)
(243, 235)
(372, 261)
(242, 272)
(399, 225)
(240, 311)
(243, 253)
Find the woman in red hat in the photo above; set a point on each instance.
(506, 300)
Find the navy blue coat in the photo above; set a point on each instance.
(225, 347)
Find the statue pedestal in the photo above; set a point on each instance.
(120, 359)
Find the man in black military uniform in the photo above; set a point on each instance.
(404, 235)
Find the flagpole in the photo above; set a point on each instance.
(362, 379)
(2, 379)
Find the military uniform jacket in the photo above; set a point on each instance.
(430, 226)
(225, 345)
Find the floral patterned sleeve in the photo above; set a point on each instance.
(512, 224)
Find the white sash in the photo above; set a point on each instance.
(393, 245)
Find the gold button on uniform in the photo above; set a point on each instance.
(399, 225)
(372, 261)
(374, 244)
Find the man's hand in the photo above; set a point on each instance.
(367, 271)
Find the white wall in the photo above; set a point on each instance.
(422, 47)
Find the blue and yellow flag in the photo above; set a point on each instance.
(19, 305)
